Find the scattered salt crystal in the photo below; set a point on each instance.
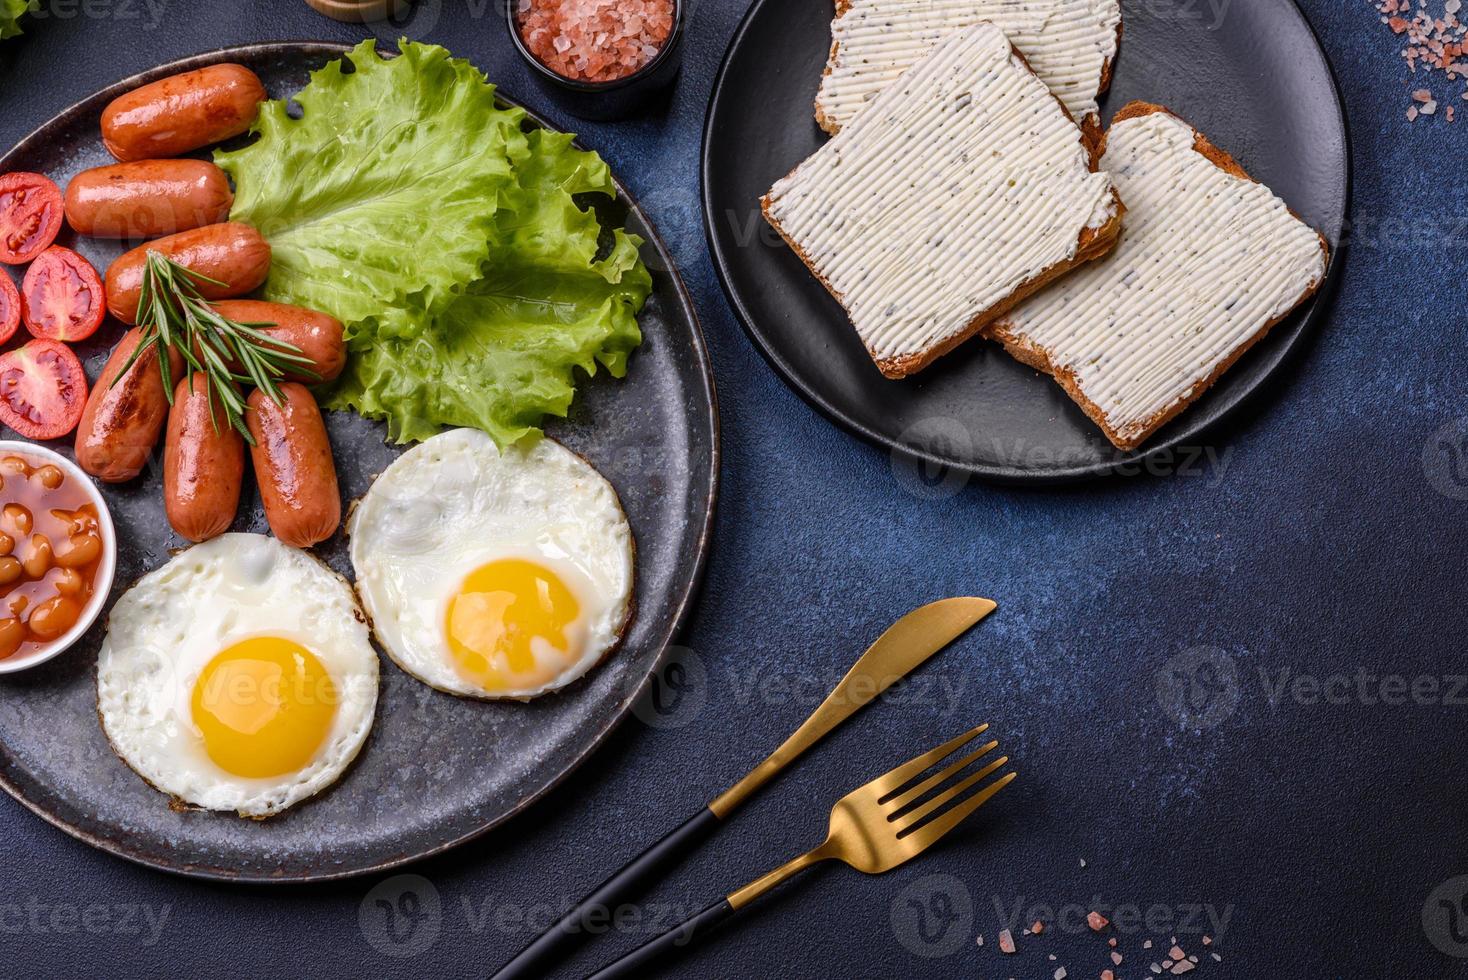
(1431, 44)
(1116, 957)
(1096, 921)
(981, 939)
(1060, 973)
(1006, 942)
(1038, 927)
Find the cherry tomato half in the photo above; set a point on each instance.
(42, 389)
(30, 216)
(62, 296)
(9, 307)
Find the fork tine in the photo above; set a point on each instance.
(893, 781)
(911, 818)
(929, 833)
(937, 779)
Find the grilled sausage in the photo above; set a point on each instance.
(121, 422)
(318, 336)
(232, 253)
(182, 112)
(293, 466)
(147, 198)
(203, 463)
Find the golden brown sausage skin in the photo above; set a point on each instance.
(294, 466)
(147, 198)
(180, 113)
(318, 336)
(231, 252)
(121, 423)
(203, 463)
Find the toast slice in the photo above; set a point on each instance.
(962, 189)
(1071, 44)
(1209, 261)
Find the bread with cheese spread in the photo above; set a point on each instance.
(1071, 45)
(1209, 261)
(963, 188)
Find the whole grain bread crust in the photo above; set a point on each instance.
(1091, 244)
(1038, 358)
(843, 7)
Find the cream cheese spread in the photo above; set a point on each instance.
(1207, 260)
(959, 185)
(1069, 44)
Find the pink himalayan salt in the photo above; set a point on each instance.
(595, 40)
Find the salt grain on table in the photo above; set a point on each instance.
(1432, 44)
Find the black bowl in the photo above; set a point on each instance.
(607, 100)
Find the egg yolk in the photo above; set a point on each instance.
(264, 706)
(496, 614)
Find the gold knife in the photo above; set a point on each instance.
(905, 645)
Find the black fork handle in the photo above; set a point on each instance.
(595, 909)
(637, 962)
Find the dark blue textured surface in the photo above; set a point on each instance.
(1323, 539)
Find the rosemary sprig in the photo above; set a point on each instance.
(173, 315)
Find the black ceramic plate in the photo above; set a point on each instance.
(437, 770)
(1249, 73)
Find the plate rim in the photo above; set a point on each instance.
(1135, 461)
(686, 597)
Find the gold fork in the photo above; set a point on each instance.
(883, 824)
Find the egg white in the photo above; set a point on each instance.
(165, 629)
(454, 503)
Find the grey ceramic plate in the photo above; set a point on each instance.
(437, 770)
(1250, 74)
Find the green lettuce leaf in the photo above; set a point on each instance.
(473, 287)
(10, 14)
(381, 196)
(505, 353)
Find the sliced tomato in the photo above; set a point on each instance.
(43, 389)
(9, 307)
(62, 296)
(30, 216)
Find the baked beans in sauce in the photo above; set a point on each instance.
(50, 550)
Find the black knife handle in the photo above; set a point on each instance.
(595, 910)
(637, 962)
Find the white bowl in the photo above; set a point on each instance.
(101, 585)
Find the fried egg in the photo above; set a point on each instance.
(493, 574)
(239, 676)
